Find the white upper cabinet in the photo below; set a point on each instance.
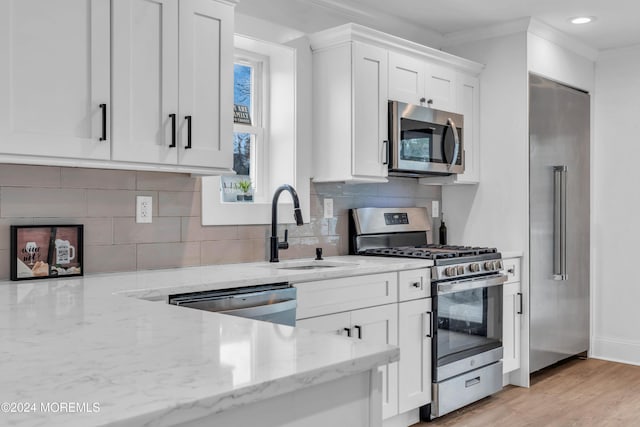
(407, 76)
(420, 82)
(440, 88)
(167, 63)
(370, 111)
(173, 82)
(469, 105)
(206, 84)
(54, 77)
(352, 88)
(145, 80)
(350, 112)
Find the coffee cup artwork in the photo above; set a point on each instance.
(39, 252)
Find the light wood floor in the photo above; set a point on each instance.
(580, 393)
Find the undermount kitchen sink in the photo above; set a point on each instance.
(311, 265)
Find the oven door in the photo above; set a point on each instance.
(424, 140)
(468, 323)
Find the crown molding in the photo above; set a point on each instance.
(354, 32)
(553, 35)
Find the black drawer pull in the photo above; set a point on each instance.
(348, 331)
(188, 146)
(103, 107)
(359, 329)
(173, 130)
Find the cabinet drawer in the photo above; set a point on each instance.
(511, 269)
(348, 293)
(414, 284)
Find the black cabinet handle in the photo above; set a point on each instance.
(359, 329)
(103, 107)
(385, 148)
(173, 130)
(188, 146)
(348, 332)
(520, 295)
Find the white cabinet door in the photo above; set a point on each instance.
(369, 77)
(406, 78)
(469, 107)
(380, 325)
(145, 80)
(54, 75)
(414, 339)
(440, 87)
(206, 84)
(512, 316)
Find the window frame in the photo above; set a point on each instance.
(259, 112)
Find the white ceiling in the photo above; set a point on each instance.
(616, 23)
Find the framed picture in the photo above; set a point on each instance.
(46, 251)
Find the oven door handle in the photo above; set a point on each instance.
(465, 285)
(456, 139)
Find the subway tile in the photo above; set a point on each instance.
(305, 247)
(42, 202)
(193, 230)
(98, 178)
(329, 189)
(97, 231)
(398, 187)
(5, 229)
(232, 251)
(360, 189)
(163, 229)
(117, 203)
(168, 255)
(166, 181)
(179, 203)
(253, 231)
(4, 264)
(29, 176)
(109, 258)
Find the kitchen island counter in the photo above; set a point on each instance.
(89, 351)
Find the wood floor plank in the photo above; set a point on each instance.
(580, 393)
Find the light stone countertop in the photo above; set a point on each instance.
(93, 340)
(511, 254)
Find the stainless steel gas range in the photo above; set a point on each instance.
(466, 289)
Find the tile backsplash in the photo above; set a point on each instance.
(104, 201)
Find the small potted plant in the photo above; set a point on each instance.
(245, 187)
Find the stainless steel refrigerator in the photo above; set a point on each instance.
(559, 139)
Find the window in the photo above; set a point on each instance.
(277, 148)
(250, 142)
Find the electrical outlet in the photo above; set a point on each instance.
(144, 209)
(328, 208)
(435, 209)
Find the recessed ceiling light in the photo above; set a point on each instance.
(582, 20)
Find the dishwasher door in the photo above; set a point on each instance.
(275, 303)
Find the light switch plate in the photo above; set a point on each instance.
(144, 209)
(328, 208)
(435, 209)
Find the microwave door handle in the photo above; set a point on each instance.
(456, 139)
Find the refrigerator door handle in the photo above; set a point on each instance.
(560, 222)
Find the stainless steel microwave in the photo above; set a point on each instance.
(424, 141)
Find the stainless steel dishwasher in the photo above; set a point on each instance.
(275, 303)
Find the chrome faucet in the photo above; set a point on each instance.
(273, 240)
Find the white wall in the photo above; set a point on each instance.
(616, 151)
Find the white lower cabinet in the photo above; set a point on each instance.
(512, 303)
(414, 340)
(369, 309)
(376, 324)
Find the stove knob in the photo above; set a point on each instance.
(475, 267)
(460, 270)
(499, 264)
(488, 266)
(450, 271)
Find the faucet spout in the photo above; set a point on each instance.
(297, 213)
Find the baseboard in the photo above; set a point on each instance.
(616, 350)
